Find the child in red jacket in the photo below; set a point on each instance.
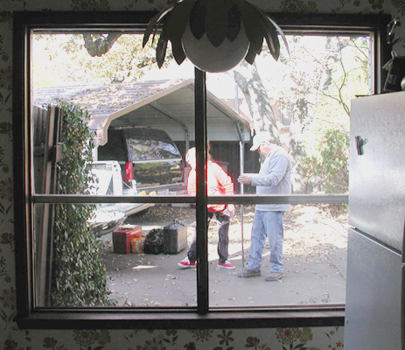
(218, 183)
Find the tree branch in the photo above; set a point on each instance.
(98, 45)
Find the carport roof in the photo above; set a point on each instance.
(167, 104)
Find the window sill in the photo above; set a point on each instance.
(130, 319)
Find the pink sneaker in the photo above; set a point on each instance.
(186, 263)
(226, 265)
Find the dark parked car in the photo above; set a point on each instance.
(145, 155)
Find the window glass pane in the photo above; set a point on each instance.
(314, 260)
(120, 127)
(131, 263)
(129, 123)
(302, 101)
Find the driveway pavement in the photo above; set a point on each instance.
(155, 280)
(314, 258)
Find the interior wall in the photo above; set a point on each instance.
(13, 338)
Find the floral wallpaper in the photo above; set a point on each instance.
(12, 338)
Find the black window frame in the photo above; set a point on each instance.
(28, 316)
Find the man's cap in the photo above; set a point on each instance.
(191, 157)
(260, 138)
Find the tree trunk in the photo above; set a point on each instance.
(251, 85)
(99, 45)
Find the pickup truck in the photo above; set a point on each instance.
(134, 161)
(108, 181)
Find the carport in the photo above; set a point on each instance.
(170, 106)
(163, 104)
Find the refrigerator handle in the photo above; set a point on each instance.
(360, 142)
(403, 290)
(403, 245)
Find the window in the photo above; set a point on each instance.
(91, 188)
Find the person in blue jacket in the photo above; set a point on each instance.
(274, 178)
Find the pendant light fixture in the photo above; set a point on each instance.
(215, 35)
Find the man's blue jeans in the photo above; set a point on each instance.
(267, 224)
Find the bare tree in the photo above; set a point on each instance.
(250, 83)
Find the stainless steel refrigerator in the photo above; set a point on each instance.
(375, 292)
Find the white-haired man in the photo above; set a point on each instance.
(274, 177)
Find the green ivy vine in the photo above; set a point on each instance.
(79, 273)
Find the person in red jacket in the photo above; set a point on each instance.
(218, 183)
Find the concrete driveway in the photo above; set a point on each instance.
(314, 258)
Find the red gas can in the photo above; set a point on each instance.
(122, 238)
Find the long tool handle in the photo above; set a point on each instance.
(242, 214)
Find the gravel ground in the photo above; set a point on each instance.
(314, 255)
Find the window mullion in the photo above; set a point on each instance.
(201, 196)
